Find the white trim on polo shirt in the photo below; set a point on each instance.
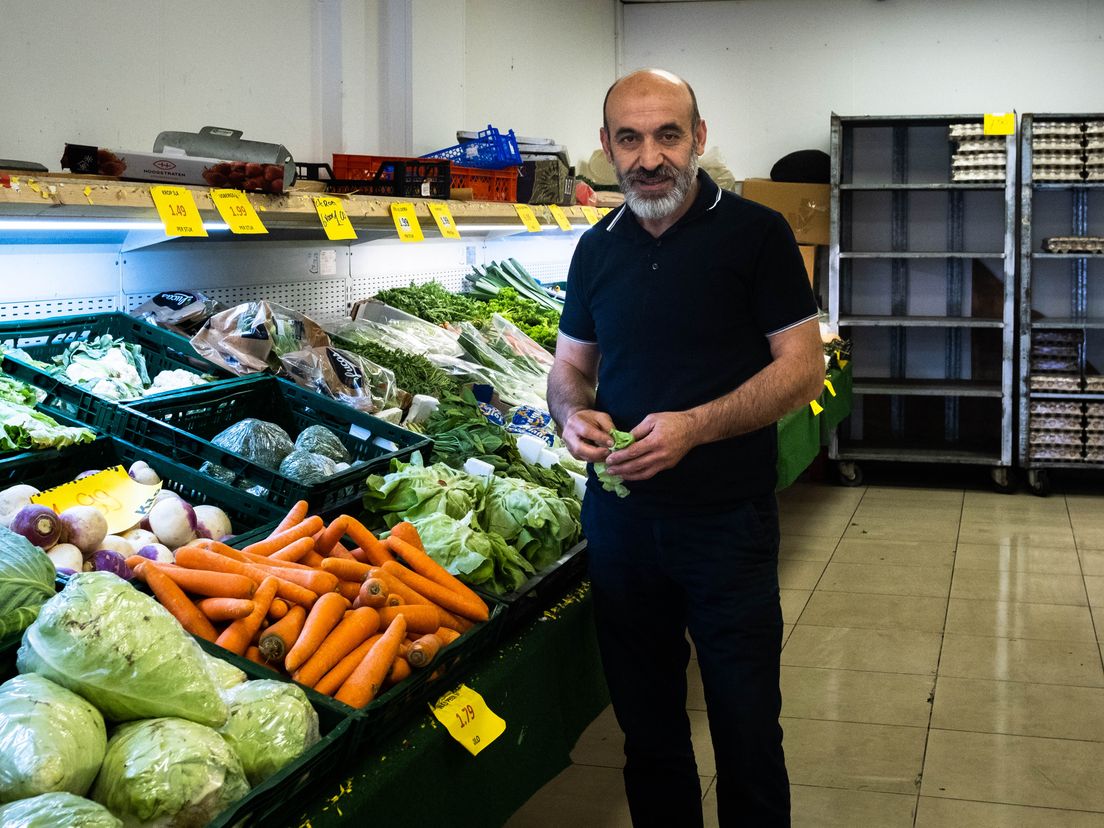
(794, 324)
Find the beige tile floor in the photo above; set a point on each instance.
(942, 667)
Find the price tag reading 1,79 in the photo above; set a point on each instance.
(122, 500)
(237, 212)
(443, 216)
(406, 222)
(468, 719)
(178, 211)
(335, 221)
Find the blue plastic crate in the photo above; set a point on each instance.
(490, 151)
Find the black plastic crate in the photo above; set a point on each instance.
(43, 339)
(180, 426)
(382, 176)
(246, 512)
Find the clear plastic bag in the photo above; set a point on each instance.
(271, 724)
(182, 311)
(343, 376)
(258, 441)
(251, 337)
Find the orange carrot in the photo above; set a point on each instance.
(312, 559)
(350, 590)
(352, 631)
(365, 681)
(277, 609)
(424, 650)
(428, 568)
(341, 553)
(372, 593)
(316, 580)
(397, 587)
(281, 636)
(240, 634)
(254, 655)
(173, 599)
(331, 535)
(199, 582)
(332, 681)
(406, 531)
(375, 551)
(446, 636)
(419, 617)
(452, 601)
(400, 670)
(278, 541)
(193, 557)
(225, 609)
(324, 616)
(346, 570)
(294, 551)
(296, 515)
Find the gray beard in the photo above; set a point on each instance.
(652, 208)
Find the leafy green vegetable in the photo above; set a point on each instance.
(533, 519)
(26, 581)
(224, 674)
(611, 482)
(412, 490)
(413, 372)
(51, 810)
(271, 723)
(478, 558)
(169, 772)
(16, 391)
(321, 440)
(122, 651)
(307, 467)
(258, 441)
(433, 303)
(23, 428)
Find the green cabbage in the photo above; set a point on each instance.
(52, 810)
(478, 558)
(121, 650)
(307, 467)
(168, 772)
(50, 739)
(271, 723)
(224, 674)
(536, 521)
(26, 581)
(412, 490)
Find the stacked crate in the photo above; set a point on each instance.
(1056, 426)
(977, 157)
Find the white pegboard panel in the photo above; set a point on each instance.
(42, 280)
(546, 272)
(387, 264)
(10, 311)
(322, 298)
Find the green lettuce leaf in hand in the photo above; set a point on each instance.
(478, 558)
(611, 482)
(411, 490)
(26, 581)
(534, 519)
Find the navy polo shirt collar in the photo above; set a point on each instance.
(624, 221)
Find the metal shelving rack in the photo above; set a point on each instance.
(922, 279)
(1059, 292)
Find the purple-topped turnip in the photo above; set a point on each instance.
(141, 472)
(108, 560)
(85, 527)
(117, 544)
(212, 522)
(139, 537)
(157, 552)
(173, 521)
(38, 524)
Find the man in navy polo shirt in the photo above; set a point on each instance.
(689, 321)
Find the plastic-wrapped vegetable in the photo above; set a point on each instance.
(252, 337)
(50, 739)
(321, 440)
(225, 674)
(122, 651)
(258, 441)
(51, 810)
(168, 772)
(307, 468)
(271, 723)
(343, 376)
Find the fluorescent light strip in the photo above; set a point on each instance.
(89, 225)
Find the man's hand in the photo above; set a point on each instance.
(587, 434)
(662, 440)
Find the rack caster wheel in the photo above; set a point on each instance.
(1003, 480)
(850, 474)
(1039, 482)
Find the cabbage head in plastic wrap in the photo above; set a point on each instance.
(51, 810)
(224, 674)
(122, 651)
(307, 468)
(537, 521)
(168, 772)
(271, 724)
(50, 739)
(412, 490)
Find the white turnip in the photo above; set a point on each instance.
(212, 522)
(14, 498)
(139, 537)
(173, 521)
(66, 557)
(85, 527)
(141, 472)
(118, 544)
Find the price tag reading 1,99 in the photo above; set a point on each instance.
(443, 216)
(178, 211)
(237, 212)
(122, 500)
(468, 719)
(335, 221)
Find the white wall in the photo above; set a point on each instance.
(768, 73)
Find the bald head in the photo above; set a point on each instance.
(644, 81)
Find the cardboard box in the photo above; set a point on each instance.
(805, 206)
(545, 180)
(808, 255)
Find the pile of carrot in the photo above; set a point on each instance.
(346, 621)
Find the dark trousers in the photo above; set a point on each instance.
(716, 575)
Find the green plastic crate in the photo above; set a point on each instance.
(181, 425)
(45, 338)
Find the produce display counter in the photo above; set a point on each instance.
(801, 433)
(545, 682)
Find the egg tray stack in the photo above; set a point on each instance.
(1094, 432)
(977, 157)
(1056, 426)
(1068, 151)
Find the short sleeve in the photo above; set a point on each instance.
(576, 321)
(782, 294)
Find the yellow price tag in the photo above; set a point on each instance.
(468, 719)
(604, 211)
(528, 218)
(591, 215)
(335, 221)
(122, 500)
(237, 211)
(178, 211)
(443, 216)
(999, 123)
(88, 194)
(560, 216)
(817, 407)
(406, 222)
(831, 388)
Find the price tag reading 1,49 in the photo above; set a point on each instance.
(237, 212)
(335, 221)
(178, 211)
(122, 500)
(406, 222)
(468, 719)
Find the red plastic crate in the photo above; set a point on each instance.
(487, 185)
